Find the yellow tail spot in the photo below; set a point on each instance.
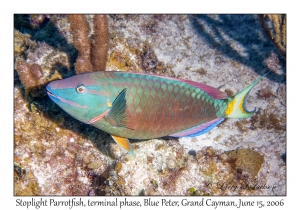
(241, 105)
(236, 105)
(230, 107)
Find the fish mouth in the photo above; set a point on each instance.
(60, 100)
(51, 94)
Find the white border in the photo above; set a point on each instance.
(153, 6)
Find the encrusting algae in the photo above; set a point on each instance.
(245, 159)
(25, 182)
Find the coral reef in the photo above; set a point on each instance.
(101, 42)
(268, 120)
(92, 56)
(21, 43)
(137, 56)
(245, 159)
(273, 63)
(274, 26)
(265, 93)
(281, 94)
(37, 64)
(25, 182)
(30, 75)
(55, 154)
(57, 157)
(174, 172)
(80, 29)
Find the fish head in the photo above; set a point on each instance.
(80, 96)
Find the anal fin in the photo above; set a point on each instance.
(124, 143)
(199, 129)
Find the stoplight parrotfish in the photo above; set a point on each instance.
(141, 106)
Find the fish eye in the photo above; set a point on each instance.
(80, 89)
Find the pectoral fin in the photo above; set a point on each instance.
(124, 143)
(117, 115)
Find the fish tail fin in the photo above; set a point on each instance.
(236, 107)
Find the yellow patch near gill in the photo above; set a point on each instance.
(241, 105)
(230, 107)
(109, 104)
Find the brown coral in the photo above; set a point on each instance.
(101, 41)
(268, 120)
(277, 32)
(21, 42)
(30, 75)
(80, 30)
(245, 159)
(91, 57)
(265, 93)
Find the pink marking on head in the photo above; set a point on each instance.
(72, 103)
(95, 92)
(73, 82)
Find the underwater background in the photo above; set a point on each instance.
(54, 154)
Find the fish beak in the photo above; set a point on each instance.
(51, 95)
(49, 92)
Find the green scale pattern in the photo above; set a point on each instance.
(158, 106)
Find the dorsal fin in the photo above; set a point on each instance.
(213, 92)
